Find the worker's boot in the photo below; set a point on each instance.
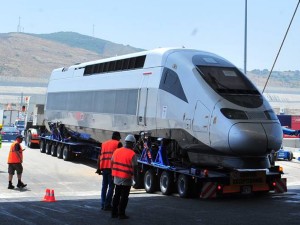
(21, 185)
(10, 186)
(107, 208)
(122, 217)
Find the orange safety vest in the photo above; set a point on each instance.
(15, 156)
(107, 150)
(122, 163)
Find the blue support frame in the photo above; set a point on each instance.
(161, 158)
(146, 155)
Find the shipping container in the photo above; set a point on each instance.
(295, 122)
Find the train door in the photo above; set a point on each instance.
(201, 121)
(142, 102)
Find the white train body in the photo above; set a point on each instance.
(196, 98)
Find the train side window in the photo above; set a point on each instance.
(109, 98)
(170, 83)
(126, 102)
(57, 101)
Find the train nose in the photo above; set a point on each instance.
(254, 139)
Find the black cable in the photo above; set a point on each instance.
(281, 46)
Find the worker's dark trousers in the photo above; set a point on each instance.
(120, 200)
(107, 183)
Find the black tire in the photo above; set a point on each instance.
(139, 181)
(184, 186)
(166, 183)
(25, 137)
(66, 153)
(28, 140)
(59, 151)
(48, 147)
(290, 156)
(54, 149)
(42, 146)
(150, 181)
(261, 193)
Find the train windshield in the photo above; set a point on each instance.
(232, 85)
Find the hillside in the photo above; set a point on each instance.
(97, 45)
(34, 56)
(26, 62)
(282, 79)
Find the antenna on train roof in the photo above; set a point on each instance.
(281, 46)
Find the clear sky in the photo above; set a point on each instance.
(212, 25)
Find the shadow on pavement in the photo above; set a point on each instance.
(144, 209)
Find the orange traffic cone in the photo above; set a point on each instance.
(47, 195)
(52, 197)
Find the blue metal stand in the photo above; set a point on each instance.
(145, 154)
(161, 157)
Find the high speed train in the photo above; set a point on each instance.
(199, 100)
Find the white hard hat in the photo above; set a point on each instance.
(130, 138)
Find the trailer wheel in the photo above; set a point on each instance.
(28, 140)
(59, 151)
(66, 153)
(48, 147)
(166, 183)
(290, 156)
(139, 178)
(42, 146)
(184, 186)
(54, 149)
(150, 182)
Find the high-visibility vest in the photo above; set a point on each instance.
(122, 163)
(107, 150)
(0, 140)
(15, 156)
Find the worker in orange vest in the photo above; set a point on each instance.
(124, 166)
(15, 160)
(0, 135)
(107, 149)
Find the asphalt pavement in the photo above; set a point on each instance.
(77, 194)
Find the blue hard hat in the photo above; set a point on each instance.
(20, 136)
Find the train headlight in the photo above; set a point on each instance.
(234, 114)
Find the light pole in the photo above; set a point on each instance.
(245, 41)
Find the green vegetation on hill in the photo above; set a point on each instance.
(89, 43)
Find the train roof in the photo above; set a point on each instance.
(157, 57)
(157, 53)
(140, 60)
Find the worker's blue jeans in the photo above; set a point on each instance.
(107, 188)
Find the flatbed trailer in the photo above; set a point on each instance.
(158, 174)
(68, 150)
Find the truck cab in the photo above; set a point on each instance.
(20, 125)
